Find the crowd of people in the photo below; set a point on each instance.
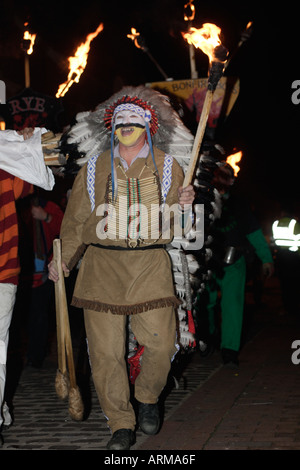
(122, 272)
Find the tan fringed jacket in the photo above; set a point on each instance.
(124, 281)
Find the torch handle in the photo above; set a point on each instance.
(198, 138)
(27, 71)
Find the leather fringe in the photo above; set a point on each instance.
(126, 309)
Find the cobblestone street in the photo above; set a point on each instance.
(207, 407)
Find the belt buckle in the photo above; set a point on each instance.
(132, 243)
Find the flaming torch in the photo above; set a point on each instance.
(189, 15)
(208, 40)
(139, 42)
(27, 46)
(246, 33)
(77, 63)
(233, 159)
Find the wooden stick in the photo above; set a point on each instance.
(27, 71)
(60, 305)
(76, 408)
(198, 138)
(63, 316)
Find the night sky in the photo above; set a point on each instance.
(264, 122)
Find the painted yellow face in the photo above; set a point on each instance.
(129, 127)
(129, 135)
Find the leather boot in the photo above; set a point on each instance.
(149, 418)
(122, 439)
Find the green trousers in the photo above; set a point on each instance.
(232, 290)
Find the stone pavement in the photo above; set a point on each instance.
(42, 421)
(254, 408)
(206, 406)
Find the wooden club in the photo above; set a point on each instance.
(65, 383)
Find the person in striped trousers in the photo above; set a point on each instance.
(11, 189)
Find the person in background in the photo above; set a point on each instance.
(40, 222)
(232, 234)
(12, 188)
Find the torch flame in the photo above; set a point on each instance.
(206, 38)
(31, 38)
(134, 35)
(192, 13)
(233, 159)
(77, 63)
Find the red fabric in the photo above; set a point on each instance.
(51, 231)
(191, 325)
(135, 364)
(11, 188)
(48, 232)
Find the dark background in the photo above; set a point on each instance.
(264, 122)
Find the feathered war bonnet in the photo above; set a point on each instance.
(93, 133)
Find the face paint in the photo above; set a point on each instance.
(129, 135)
(129, 126)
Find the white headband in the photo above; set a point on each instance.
(144, 113)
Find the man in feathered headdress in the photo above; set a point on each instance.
(116, 215)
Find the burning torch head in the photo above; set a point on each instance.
(208, 40)
(217, 66)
